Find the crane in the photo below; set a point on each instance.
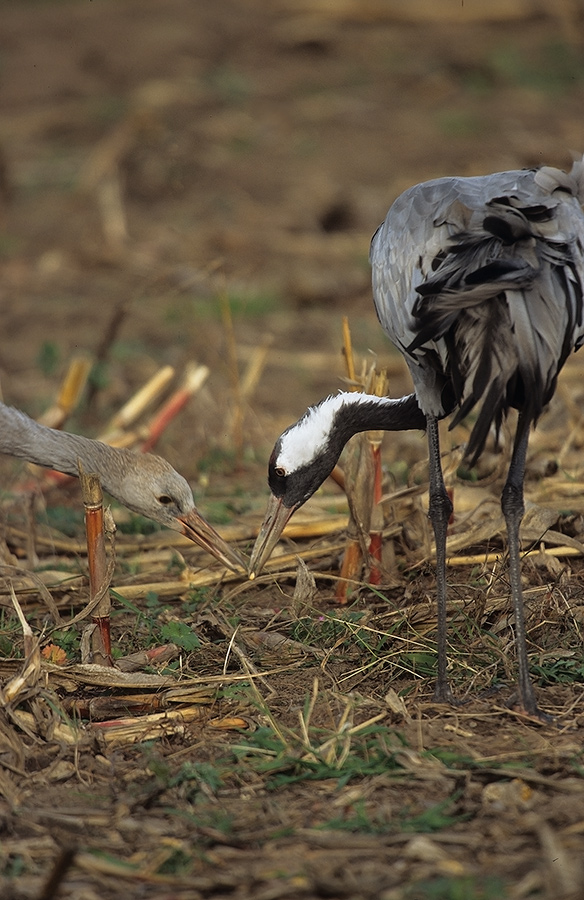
(479, 282)
(145, 483)
(306, 453)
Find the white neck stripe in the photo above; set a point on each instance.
(307, 439)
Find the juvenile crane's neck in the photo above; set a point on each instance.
(24, 438)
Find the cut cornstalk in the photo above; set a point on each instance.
(57, 414)
(338, 476)
(136, 405)
(97, 565)
(71, 389)
(195, 377)
(348, 352)
(255, 367)
(31, 668)
(128, 730)
(359, 473)
(355, 470)
(375, 439)
(110, 200)
(376, 527)
(350, 567)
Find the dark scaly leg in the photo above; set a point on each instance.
(440, 510)
(513, 509)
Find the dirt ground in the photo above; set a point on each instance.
(194, 182)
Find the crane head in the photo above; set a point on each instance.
(152, 488)
(307, 452)
(302, 459)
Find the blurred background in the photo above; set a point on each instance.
(200, 181)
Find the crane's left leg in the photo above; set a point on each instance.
(513, 509)
(439, 511)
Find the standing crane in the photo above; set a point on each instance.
(480, 283)
(145, 483)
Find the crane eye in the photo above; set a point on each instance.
(280, 471)
(165, 499)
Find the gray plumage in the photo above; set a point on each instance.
(480, 283)
(145, 483)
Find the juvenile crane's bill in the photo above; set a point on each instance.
(307, 452)
(145, 483)
(198, 530)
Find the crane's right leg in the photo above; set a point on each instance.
(440, 510)
(513, 508)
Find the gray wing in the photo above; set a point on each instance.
(448, 245)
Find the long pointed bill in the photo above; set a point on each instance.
(275, 519)
(198, 530)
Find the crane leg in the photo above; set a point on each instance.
(440, 510)
(513, 508)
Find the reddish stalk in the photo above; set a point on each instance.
(97, 565)
(376, 528)
(194, 379)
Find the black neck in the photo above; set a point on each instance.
(377, 414)
(356, 413)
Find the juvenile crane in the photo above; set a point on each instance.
(479, 282)
(144, 483)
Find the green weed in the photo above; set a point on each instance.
(338, 630)
(197, 600)
(230, 86)
(181, 634)
(99, 377)
(559, 671)
(10, 636)
(134, 523)
(491, 888)
(554, 67)
(68, 640)
(48, 358)
(178, 863)
(217, 461)
(459, 123)
(205, 774)
(285, 757)
(212, 818)
(361, 821)
(219, 512)
(68, 520)
(435, 818)
(13, 866)
(190, 779)
(147, 627)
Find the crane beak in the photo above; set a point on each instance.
(275, 520)
(194, 526)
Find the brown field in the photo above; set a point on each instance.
(193, 182)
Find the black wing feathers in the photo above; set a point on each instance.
(508, 303)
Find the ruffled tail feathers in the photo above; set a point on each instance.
(552, 179)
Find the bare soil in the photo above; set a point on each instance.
(160, 163)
